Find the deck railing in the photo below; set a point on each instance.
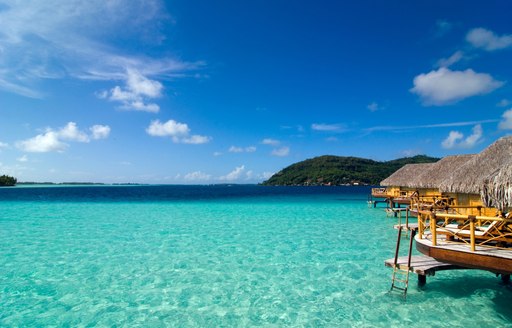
(438, 201)
(474, 230)
(379, 192)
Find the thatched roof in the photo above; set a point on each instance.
(427, 175)
(469, 178)
(440, 171)
(497, 188)
(405, 176)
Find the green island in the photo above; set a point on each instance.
(331, 170)
(7, 181)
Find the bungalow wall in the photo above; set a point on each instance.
(471, 200)
(429, 192)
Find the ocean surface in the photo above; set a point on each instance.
(219, 256)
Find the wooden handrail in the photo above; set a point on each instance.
(466, 217)
(432, 216)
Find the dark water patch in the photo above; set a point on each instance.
(156, 193)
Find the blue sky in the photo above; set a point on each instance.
(201, 92)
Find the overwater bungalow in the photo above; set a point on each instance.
(399, 187)
(472, 226)
(483, 239)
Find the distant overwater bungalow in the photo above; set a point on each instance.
(463, 204)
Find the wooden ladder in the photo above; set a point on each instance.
(400, 279)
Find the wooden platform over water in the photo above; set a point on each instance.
(422, 265)
(490, 258)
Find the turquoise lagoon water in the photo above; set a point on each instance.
(217, 256)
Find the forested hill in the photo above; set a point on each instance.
(338, 170)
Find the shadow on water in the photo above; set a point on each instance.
(475, 283)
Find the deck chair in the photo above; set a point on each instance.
(494, 231)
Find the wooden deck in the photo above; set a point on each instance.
(422, 265)
(497, 260)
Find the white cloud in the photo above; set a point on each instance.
(196, 140)
(22, 159)
(486, 39)
(197, 176)
(373, 107)
(236, 174)
(506, 122)
(52, 39)
(18, 89)
(281, 152)
(70, 132)
(178, 132)
(142, 86)
(327, 127)
(474, 138)
(456, 139)
(504, 103)
(53, 140)
(139, 105)
(43, 143)
(445, 86)
(271, 142)
(235, 149)
(139, 89)
(3, 145)
(217, 153)
(170, 128)
(447, 62)
(452, 139)
(100, 131)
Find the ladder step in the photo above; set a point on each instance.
(400, 280)
(395, 287)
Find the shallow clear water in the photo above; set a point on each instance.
(218, 256)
